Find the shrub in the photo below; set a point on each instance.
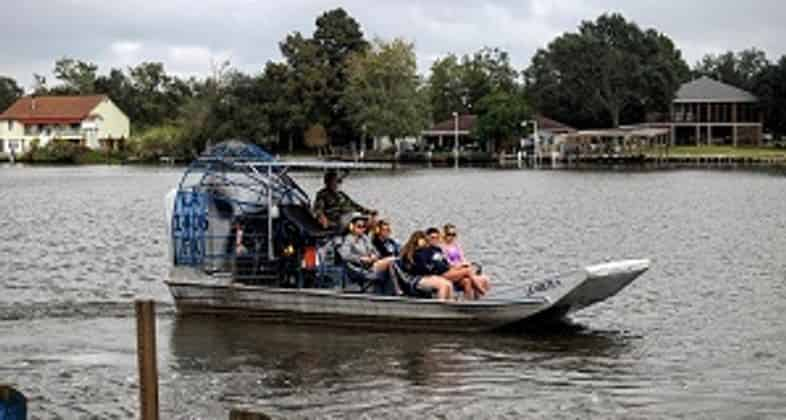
(93, 157)
(156, 142)
(57, 151)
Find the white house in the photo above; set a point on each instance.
(93, 121)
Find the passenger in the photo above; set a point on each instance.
(242, 248)
(455, 255)
(461, 276)
(422, 277)
(332, 205)
(359, 253)
(386, 246)
(431, 259)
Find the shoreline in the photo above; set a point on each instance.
(502, 161)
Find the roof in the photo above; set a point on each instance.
(52, 109)
(545, 123)
(705, 89)
(467, 122)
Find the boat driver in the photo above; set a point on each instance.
(332, 207)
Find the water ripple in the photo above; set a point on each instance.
(699, 336)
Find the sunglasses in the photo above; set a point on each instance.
(361, 226)
(450, 234)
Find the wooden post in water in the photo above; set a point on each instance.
(146, 358)
(236, 414)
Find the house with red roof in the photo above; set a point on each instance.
(93, 121)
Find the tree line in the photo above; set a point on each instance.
(336, 87)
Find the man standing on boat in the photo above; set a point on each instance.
(332, 206)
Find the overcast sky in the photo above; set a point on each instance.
(187, 34)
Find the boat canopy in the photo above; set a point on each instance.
(236, 182)
(247, 176)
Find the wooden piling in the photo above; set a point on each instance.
(146, 358)
(236, 414)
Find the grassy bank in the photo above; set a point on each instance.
(727, 151)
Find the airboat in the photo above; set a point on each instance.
(288, 271)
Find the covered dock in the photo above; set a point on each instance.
(624, 142)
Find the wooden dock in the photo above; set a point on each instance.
(669, 160)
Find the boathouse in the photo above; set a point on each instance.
(442, 135)
(93, 121)
(709, 112)
(619, 143)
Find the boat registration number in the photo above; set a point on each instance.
(543, 286)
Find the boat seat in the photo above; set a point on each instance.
(404, 280)
(302, 218)
(364, 282)
(333, 271)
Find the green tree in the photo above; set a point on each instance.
(281, 105)
(318, 74)
(607, 72)
(39, 85)
(740, 69)
(10, 91)
(118, 87)
(239, 111)
(337, 36)
(157, 96)
(456, 85)
(500, 115)
(307, 77)
(384, 91)
(445, 88)
(77, 77)
(770, 86)
(487, 71)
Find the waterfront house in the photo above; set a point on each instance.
(708, 112)
(93, 121)
(442, 135)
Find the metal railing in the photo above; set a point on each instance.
(63, 132)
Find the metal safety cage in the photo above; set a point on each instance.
(229, 196)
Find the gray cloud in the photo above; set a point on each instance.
(186, 35)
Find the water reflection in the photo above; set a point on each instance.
(706, 322)
(297, 368)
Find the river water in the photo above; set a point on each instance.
(701, 335)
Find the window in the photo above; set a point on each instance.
(2, 146)
(10, 125)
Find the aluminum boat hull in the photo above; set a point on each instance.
(195, 292)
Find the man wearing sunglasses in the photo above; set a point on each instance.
(364, 263)
(331, 205)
